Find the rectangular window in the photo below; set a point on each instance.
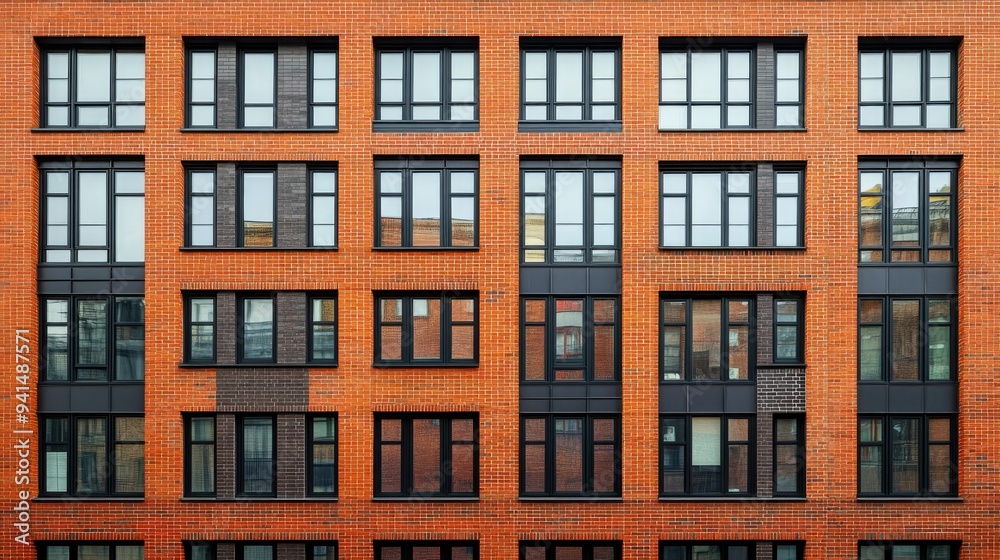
(201, 208)
(571, 81)
(571, 455)
(789, 456)
(907, 339)
(707, 456)
(788, 209)
(256, 329)
(570, 339)
(738, 550)
(426, 455)
(93, 212)
(90, 550)
(93, 87)
(92, 456)
(427, 328)
(257, 208)
(202, 95)
(321, 434)
(256, 461)
(908, 550)
(426, 550)
(570, 211)
(575, 550)
(907, 87)
(256, 550)
(323, 208)
(788, 339)
(94, 339)
(907, 211)
(323, 329)
(199, 340)
(323, 71)
(431, 83)
(708, 339)
(258, 89)
(200, 464)
(426, 203)
(907, 456)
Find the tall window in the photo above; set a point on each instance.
(200, 456)
(323, 205)
(426, 455)
(420, 550)
(708, 339)
(93, 212)
(202, 96)
(92, 456)
(907, 455)
(199, 337)
(257, 329)
(258, 550)
(258, 88)
(570, 339)
(789, 455)
(426, 203)
(201, 208)
(570, 211)
(323, 329)
(908, 550)
(570, 455)
(257, 209)
(426, 83)
(904, 339)
(907, 211)
(907, 87)
(558, 550)
(323, 88)
(255, 466)
(90, 550)
(788, 208)
(431, 328)
(321, 432)
(738, 550)
(788, 321)
(707, 455)
(94, 339)
(93, 87)
(568, 82)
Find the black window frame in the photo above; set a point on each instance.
(189, 78)
(406, 166)
(74, 545)
(311, 101)
(723, 103)
(312, 324)
(925, 47)
(798, 444)
(406, 547)
(551, 167)
(725, 445)
(73, 468)
(798, 324)
(212, 548)
(587, 547)
(923, 346)
(726, 196)
(725, 324)
(888, 454)
(887, 546)
(725, 553)
(189, 444)
(72, 49)
(241, 202)
(924, 247)
(586, 430)
(587, 362)
(241, 460)
(800, 209)
(241, 103)
(406, 445)
(241, 332)
(192, 198)
(312, 204)
(407, 337)
(312, 442)
(189, 323)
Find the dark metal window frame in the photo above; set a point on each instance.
(923, 360)
(799, 443)
(586, 46)
(407, 166)
(886, 445)
(723, 103)
(311, 205)
(799, 197)
(311, 443)
(407, 449)
(191, 198)
(798, 324)
(406, 324)
(213, 546)
(189, 322)
(73, 545)
(588, 362)
(132, 46)
(724, 444)
(587, 460)
(924, 167)
(551, 547)
(311, 323)
(71, 449)
(909, 45)
(724, 172)
(407, 47)
(189, 444)
(240, 456)
(406, 547)
(241, 298)
(724, 325)
(313, 50)
(887, 546)
(241, 103)
(801, 103)
(241, 193)
(189, 104)
(723, 545)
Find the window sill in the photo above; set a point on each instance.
(703, 382)
(729, 499)
(254, 249)
(281, 130)
(910, 499)
(418, 499)
(203, 365)
(425, 126)
(77, 499)
(782, 365)
(718, 249)
(65, 383)
(432, 365)
(259, 499)
(94, 129)
(424, 249)
(908, 264)
(569, 499)
(569, 126)
(906, 129)
(700, 130)
(570, 265)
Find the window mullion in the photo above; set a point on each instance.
(445, 196)
(444, 455)
(444, 327)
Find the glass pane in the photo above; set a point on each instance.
(706, 76)
(706, 455)
(569, 76)
(569, 208)
(463, 215)
(872, 116)
(91, 456)
(738, 115)
(426, 210)
(939, 353)
(939, 116)
(786, 469)
(871, 311)
(787, 65)
(673, 352)
(906, 76)
(92, 332)
(569, 451)
(96, 66)
(202, 116)
(258, 116)
(426, 77)
(870, 341)
(130, 229)
(203, 65)
(203, 91)
(872, 90)
(673, 117)
(258, 78)
(706, 116)
(426, 329)
(872, 65)
(604, 352)
(706, 209)
(324, 65)
(905, 339)
(569, 329)
(707, 339)
(738, 91)
(324, 116)
(906, 115)
(905, 208)
(130, 65)
(427, 455)
(258, 209)
(905, 440)
(787, 92)
(258, 329)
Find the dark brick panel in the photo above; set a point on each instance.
(262, 389)
(291, 457)
(765, 85)
(225, 456)
(765, 205)
(292, 206)
(227, 86)
(293, 75)
(765, 329)
(225, 205)
(291, 316)
(225, 327)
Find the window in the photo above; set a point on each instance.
(582, 550)
(907, 87)
(571, 81)
(714, 88)
(789, 456)
(257, 332)
(420, 550)
(323, 203)
(570, 339)
(747, 550)
(202, 96)
(257, 208)
(323, 329)
(788, 208)
(907, 455)
(571, 455)
(199, 340)
(92, 456)
(200, 463)
(908, 550)
(570, 211)
(427, 328)
(429, 83)
(788, 339)
(256, 550)
(90, 550)
(93, 211)
(907, 211)
(256, 470)
(707, 455)
(426, 455)
(258, 89)
(94, 338)
(708, 339)
(201, 208)
(93, 87)
(323, 88)
(322, 455)
(426, 203)
(907, 339)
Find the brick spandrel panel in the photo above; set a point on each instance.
(832, 521)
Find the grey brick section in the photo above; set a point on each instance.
(225, 205)
(291, 327)
(293, 76)
(227, 86)
(291, 551)
(225, 456)
(765, 455)
(765, 550)
(765, 205)
(262, 389)
(225, 551)
(292, 219)
(225, 327)
(765, 328)
(291, 457)
(765, 85)
(778, 391)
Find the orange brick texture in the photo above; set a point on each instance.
(831, 521)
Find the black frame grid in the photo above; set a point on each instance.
(886, 325)
(925, 47)
(587, 46)
(124, 46)
(550, 445)
(312, 78)
(408, 461)
(312, 324)
(407, 337)
(200, 198)
(241, 459)
(314, 197)
(686, 357)
(797, 444)
(406, 549)
(726, 198)
(797, 324)
(189, 445)
(407, 47)
(241, 103)
(211, 549)
(407, 167)
(800, 104)
(892, 453)
(74, 553)
(870, 199)
(189, 102)
(316, 443)
(723, 103)
(924, 549)
(241, 172)
(741, 550)
(241, 331)
(800, 210)
(587, 361)
(189, 323)
(587, 548)
(685, 443)
(70, 445)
